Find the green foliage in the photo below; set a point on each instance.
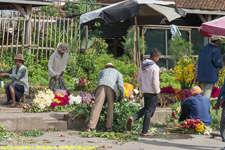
(179, 48)
(122, 137)
(129, 44)
(122, 111)
(87, 65)
(32, 133)
(75, 10)
(3, 134)
(167, 79)
(50, 10)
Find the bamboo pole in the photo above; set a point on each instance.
(23, 38)
(43, 29)
(55, 30)
(13, 26)
(46, 50)
(7, 40)
(64, 29)
(68, 21)
(51, 34)
(3, 37)
(60, 29)
(18, 36)
(71, 38)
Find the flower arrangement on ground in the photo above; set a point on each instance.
(43, 99)
(73, 100)
(87, 98)
(182, 95)
(82, 84)
(61, 98)
(191, 126)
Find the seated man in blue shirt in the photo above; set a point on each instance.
(196, 107)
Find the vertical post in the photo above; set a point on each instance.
(86, 35)
(137, 44)
(13, 26)
(55, 30)
(18, 36)
(167, 64)
(3, 37)
(190, 40)
(28, 10)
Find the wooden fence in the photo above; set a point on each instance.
(38, 35)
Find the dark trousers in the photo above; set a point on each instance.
(185, 114)
(150, 103)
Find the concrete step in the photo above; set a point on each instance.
(29, 121)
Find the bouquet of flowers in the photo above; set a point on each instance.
(43, 99)
(182, 95)
(215, 92)
(168, 89)
(60, 99)
(75, 99)
(87, 98)
(192, 125)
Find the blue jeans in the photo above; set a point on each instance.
(150, 103)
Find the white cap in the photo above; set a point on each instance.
(215, 38)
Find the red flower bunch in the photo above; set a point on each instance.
(168, 89)
(183, 94)
(215, 92)
(60, 100)
(189, 124)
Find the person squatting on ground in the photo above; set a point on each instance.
(148, 80)
(108, 81)
(196, 107)
(19, 81)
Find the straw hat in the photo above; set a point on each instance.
(19, 57)
(109, 65)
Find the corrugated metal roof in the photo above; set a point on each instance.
(190, 4)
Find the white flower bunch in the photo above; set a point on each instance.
(74, 99)
(43, 99)
(208, 131)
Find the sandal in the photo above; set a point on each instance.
(89, 130)
(12, 106)
(108, 130)
(147, 134)
(7, 103)
(130, 123)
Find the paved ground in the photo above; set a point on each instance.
(72, 138)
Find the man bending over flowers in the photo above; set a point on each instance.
(196, 107)
(19, 84)
(108, 81)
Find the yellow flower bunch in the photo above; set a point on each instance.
(126, 92)
(200, 127)
(184, 72)
(56, 101)
(60, 95)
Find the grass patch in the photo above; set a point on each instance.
(32, 133)
(123, 137)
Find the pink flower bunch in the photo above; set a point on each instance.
(168, 89)
(215, 92)
(82, 82)
(61, 91)
(87, 98)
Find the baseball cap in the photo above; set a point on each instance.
(222, 59)
(215, 38)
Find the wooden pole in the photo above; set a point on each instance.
(86, 35)
(137, 44)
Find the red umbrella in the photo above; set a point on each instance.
(214, 27)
